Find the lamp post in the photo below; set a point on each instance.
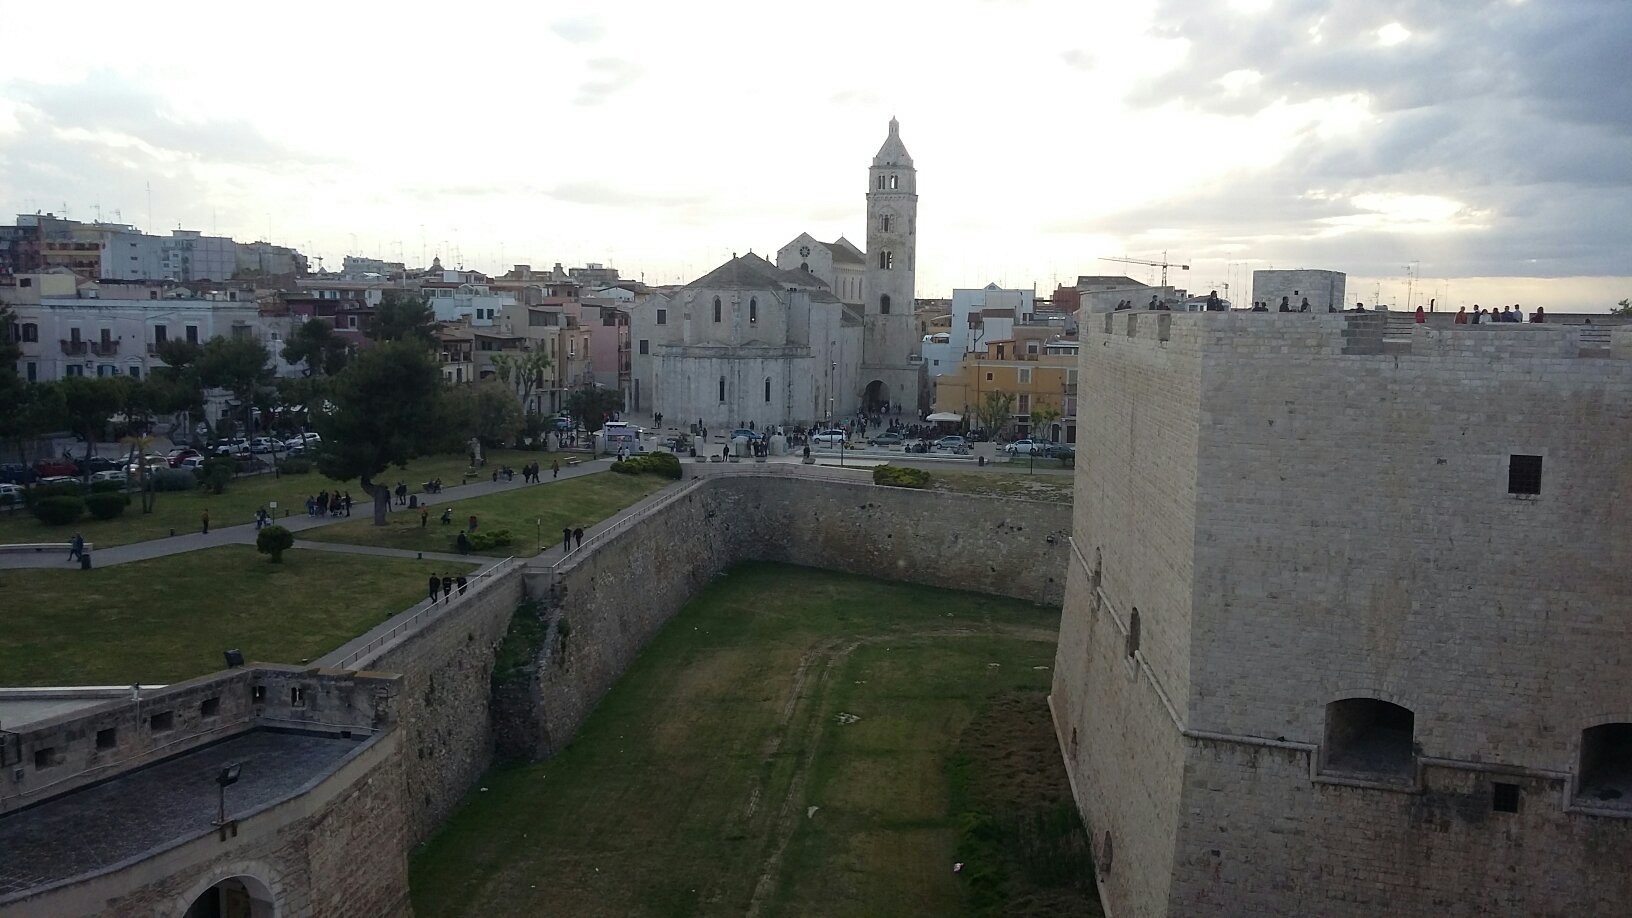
(227, 776)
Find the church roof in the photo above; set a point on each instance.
(748, 272)
(806, 279)
(893, 152)
(845, 252)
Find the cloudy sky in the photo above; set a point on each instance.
(1483, 147)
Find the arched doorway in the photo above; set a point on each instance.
(234, 897)
(875, 396)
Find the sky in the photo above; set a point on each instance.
(1465, 150)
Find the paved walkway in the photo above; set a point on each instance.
(244, 534)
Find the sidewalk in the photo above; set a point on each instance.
(244, 534)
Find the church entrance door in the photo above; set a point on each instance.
(876, 396)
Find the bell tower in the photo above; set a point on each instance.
(888, 344)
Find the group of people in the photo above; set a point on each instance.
(1263, 305)
(568, 535)
(326, 504)
(446, 585)
(1511, 314)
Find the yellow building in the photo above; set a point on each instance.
(1041, 374)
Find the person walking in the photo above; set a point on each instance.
(205, 519)
(424, 516)
(347, 501)
(447, 588)
(555, 469)
(566, 539)
(460, 582)
(578, 535)
(436, 584)
(76, 547)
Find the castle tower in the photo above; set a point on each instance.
(889, 344)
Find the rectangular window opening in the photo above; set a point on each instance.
(1504, 797)
(107, 738)
(210, 707)
(1524, 474)
(257, 694)
(45, 758)
(297, 696)
(162, 722)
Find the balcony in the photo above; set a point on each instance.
(74, 348)
(105, 348)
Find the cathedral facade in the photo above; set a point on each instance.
(824, 332)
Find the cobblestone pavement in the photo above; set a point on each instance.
(175, 799)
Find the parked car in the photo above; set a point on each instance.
(10, 494)
(174, 457)
(1059, 451)
(563, 423)
(17, 473)
(1024, 447)
(48, 467)
(886, 439)
(294, 445)
(828, 437)
(191, 462)
(744, 433)
(55, 480)
(953, 444)
(96, 464)
(265, 445)
(154, 461)
(677, 442)
(112, 475)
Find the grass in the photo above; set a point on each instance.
(1054, 486)
(181, 510)
(579, 501)
(169, 618)
(689, 789)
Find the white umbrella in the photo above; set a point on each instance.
(945, 416)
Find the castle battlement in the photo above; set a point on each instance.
(1353, 334)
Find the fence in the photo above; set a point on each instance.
(423, 613)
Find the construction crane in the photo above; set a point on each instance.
(1164, 264)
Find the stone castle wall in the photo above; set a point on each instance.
(1352, 536)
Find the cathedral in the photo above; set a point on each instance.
(824, 332)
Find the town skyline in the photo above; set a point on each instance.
(1451, 153)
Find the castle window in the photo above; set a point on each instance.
(1133, 633)
(881, 183)
(209, 707)
(753, 310)
(31, 332)
(895, 182)
(716, 309)
(1606, 766)
(804, 266)
(767, 388)
(645, 346)
(107, 738)
(884, 223)
(297, 696)
(886, 260)
(44, 758)
(1524, 474)
(1504, 797)
(1369, 737)
(722, 388)
(162, 722)
(884, 304)
(662, 317)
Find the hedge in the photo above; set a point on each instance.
(293, 465)
(59, 510)
(172, 479)
(107, 487)
(106, 506)
(666, 465)
(482, 541)
(57, 489)
(900, 477)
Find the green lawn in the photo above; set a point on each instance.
(168, 619)
(795, 742)
(181, 510)
(1051, 484)
(579, 501)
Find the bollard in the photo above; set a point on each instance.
(85, 561)
(981, 460)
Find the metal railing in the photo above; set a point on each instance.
(428, 610)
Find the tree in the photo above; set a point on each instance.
(1041, 417)
(238, 365)
(593, 405)
(386, 409)
(176, 388)
(994, 410)
(523, 370)
(404, 316)
(216, 473)
(30, 410)
(1623, 308)
(274, 540)
(316, 344)
(88, 402)
(140, 447)
(486, 410)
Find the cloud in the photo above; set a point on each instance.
(578, 30)
(1078, 59)
(858, 98)
(609, 76)
(599, 194)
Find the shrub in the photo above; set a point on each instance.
(274, 541)
(1068, 458)
(217, 472)
(666, 465)
(482, 541)
(106, 506)
(58, 510)
(107, 487)
(172, 479)
(59, 489)
(900, 477)
(294, 465)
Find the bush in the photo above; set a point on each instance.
(274, 540)
(482, 541)
(293, 465)
(172, 479)
(217, 472)
(106, 506)
(1068, 458)
(59, 510)
(666, 465)
(900, 477)
(107, 487)
(59, 489)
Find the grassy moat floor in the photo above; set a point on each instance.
(795, 742)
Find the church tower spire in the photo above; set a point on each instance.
(888, 343)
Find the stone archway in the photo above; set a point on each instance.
(240, 896)
(875, 396)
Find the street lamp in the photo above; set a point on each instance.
(227, 776)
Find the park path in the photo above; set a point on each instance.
(244, 534)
